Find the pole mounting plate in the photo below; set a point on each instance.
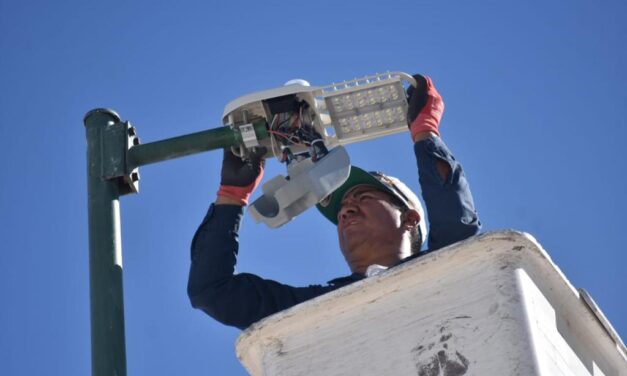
(118, 138)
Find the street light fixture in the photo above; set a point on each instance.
(304, 123)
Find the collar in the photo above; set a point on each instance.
(347, 279)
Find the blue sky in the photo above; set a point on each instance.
(536, 109)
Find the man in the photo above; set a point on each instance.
(380, 222)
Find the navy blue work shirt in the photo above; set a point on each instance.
(242, 299)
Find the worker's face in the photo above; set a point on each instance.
(370, 227)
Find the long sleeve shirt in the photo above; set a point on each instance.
(242, 299)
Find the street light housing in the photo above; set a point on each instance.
(341, 113)
(304, 123)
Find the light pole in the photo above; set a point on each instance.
(105, 252)
(113, 157)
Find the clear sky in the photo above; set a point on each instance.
(536, 109)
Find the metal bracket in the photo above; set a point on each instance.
(118, 138)
(248, 135)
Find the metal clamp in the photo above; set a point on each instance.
(118, 138)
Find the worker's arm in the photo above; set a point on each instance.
(445, 190)
(235, 299)
(443, 168)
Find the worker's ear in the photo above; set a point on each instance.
(409, 219)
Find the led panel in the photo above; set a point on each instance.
(365, 109)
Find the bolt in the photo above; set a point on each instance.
(135, 176)
(131, 131)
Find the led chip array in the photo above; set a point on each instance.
(365, 98)
(371, 121)
(360, 112)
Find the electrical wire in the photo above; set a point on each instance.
(287, 137)
(274, 119)
(292, 128)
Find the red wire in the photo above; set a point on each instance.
(285, 136)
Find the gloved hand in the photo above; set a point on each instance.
(240, 178)
(425, 107)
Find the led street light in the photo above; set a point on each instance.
(338, 114)
(304, 123)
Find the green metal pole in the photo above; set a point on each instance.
(218, 138)
(108, 349)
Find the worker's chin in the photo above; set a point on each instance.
(353, 237)
(352, 242)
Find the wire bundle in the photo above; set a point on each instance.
(295, 128)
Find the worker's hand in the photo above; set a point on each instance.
(240, 178)
(425, 108)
